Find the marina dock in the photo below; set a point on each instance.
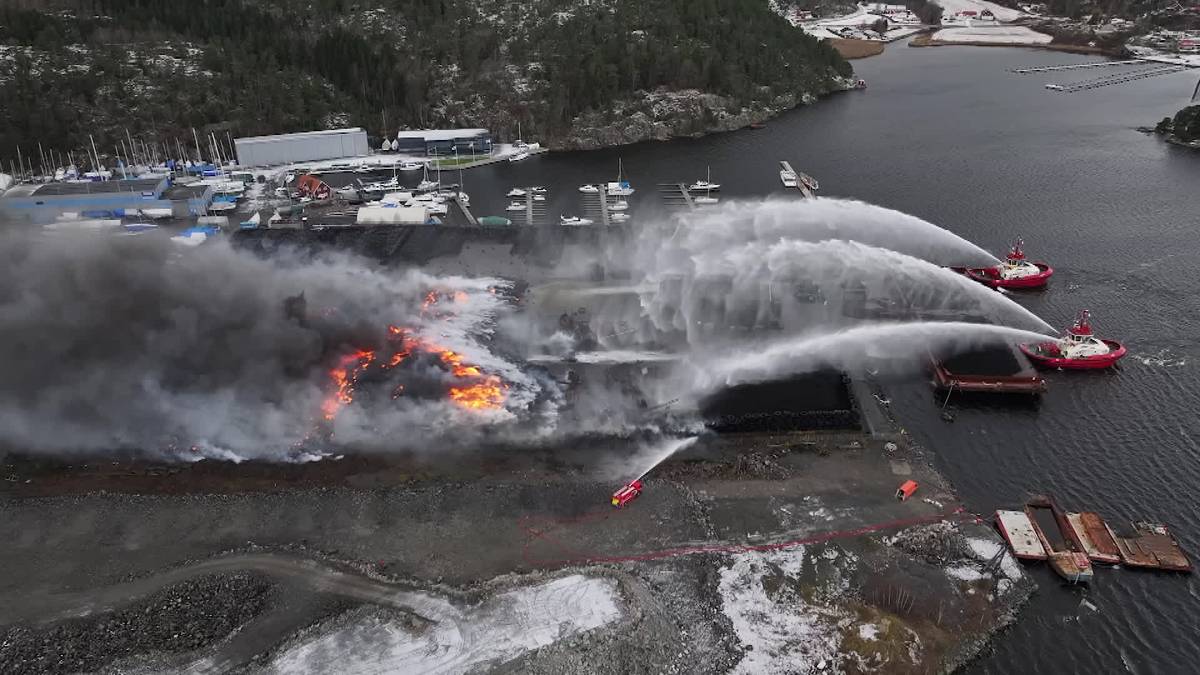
(806, 184)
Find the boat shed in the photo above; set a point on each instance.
(308, 146)
(444, 141)
(40, 204)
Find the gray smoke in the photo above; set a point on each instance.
(111, 343)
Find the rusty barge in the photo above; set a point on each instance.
(1072, 541)
(1064, 550)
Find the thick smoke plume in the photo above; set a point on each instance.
(124, 343)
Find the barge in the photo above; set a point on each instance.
(1064, 550)
(999, 369)
(1151, 546)
(1097, 539)
(1022, 538)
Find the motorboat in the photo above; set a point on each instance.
(539, 198)
(705, 185)
(809, 182)
(618, 217)
(519, 156)
(619, 205)
(1078, 350)
(515, 192)
(427, 185)
(437, 208)
(1014, 273)
(410, 166)
(789, 178)
(222, 206)
(705, 200)
(538, 190)
(588, 189)
(573, 220)
(138, 228)
(515, 206)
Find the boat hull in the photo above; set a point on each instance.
(1099, 362)
(988, 276)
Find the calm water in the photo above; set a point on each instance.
(949, 135)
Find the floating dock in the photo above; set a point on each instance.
(1095, 536)
(1077, 66)
(1021, 537)
(1151, 546)
(1116, 78)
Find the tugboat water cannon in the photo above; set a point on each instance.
(1014, 272)
(1078, 350)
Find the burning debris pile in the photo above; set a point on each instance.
(123, 344)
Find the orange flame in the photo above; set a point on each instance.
(344, 376)
(479, 391)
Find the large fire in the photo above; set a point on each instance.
(477, 390)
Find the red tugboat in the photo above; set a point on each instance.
(626, 494)
(1079, 350)
(1014, 272)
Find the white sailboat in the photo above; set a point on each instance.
(619, 187)
(426, 184)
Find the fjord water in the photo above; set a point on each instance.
(949, 135)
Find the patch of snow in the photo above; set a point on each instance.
(987, 550)
(1016, 35)
(868, 631)
(500, 630)
(783, 634)
(965, 573)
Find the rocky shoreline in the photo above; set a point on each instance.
(665, 114)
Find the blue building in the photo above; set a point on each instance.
(104, 199)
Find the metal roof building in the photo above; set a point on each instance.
(444, 141)
(102, 199)
(308, 146)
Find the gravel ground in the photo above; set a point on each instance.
(182, 618)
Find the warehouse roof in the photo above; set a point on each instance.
(441, 134)
(300, 134)
(98, 187)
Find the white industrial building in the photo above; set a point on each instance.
(308, 146)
